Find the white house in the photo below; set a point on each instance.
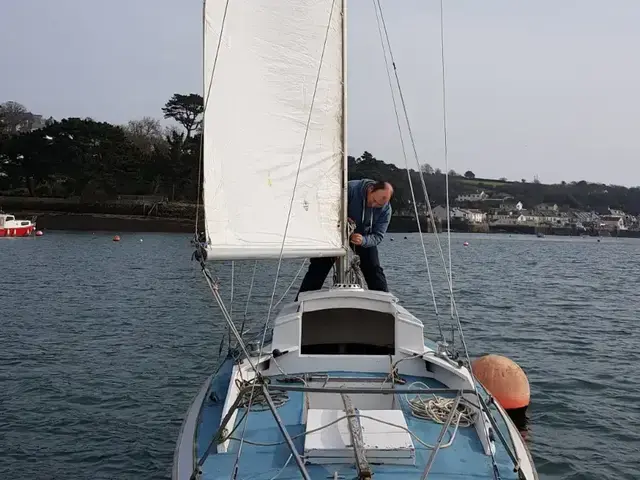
(551, 217)
(512, 206)
(470, 215)
(476, 216)
(612, 222)
(515, 217)
(502, 217)
(472, 197)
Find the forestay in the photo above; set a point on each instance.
(278, 70)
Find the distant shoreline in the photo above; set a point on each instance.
(90, 222)
(94, 222)
(176, 217)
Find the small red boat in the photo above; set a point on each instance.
(10, 227)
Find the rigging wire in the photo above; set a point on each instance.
(406, 164)
(233, 269)
(445, 145)
(456, 315)
(454, 308)
(213, 286)
(246, 305)
(295, 278)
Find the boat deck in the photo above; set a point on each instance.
(265, 455)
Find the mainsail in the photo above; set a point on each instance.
(273, 83)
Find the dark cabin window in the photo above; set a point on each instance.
(348, 331)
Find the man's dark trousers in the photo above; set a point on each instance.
(373, 273)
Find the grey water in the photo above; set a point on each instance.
(103, 345)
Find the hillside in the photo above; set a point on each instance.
(580, 195)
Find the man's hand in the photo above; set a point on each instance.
(356, 239)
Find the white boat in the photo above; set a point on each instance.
(342, 383)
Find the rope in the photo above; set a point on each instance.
(279, 397)
(438, 408)
(275, 477)
(354, 273)
(345, 417)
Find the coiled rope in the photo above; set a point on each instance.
(439, 408)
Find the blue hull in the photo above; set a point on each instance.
(262, 459)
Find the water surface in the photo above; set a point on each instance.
(103, 345)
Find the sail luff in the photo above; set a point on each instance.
(342, 265)
(262, 61)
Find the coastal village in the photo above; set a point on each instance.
(481, 212)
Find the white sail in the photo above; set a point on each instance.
(259, 88)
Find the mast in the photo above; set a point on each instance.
(342, 263)
(205, 94)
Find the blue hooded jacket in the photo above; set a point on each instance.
(371, 222)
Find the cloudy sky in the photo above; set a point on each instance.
(534, 87)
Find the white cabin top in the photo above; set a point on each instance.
(9, 221)
(348, 321)
(5, 219)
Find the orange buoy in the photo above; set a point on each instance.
(116, 238)
(39, 233)
(504, 379)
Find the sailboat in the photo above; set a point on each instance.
(340, 383)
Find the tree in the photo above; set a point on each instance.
(366, 157)
(147, 134)
(24, 160)
(187, 110)
(469, 174)
(503, 179)
(83, 157)
(15, 118)
(91, 158)
(427, 169)
(452, 173)
(181, 169)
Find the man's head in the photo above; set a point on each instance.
(379, 194)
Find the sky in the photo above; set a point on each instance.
(546, 88)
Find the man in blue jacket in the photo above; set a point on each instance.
(368, 206)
